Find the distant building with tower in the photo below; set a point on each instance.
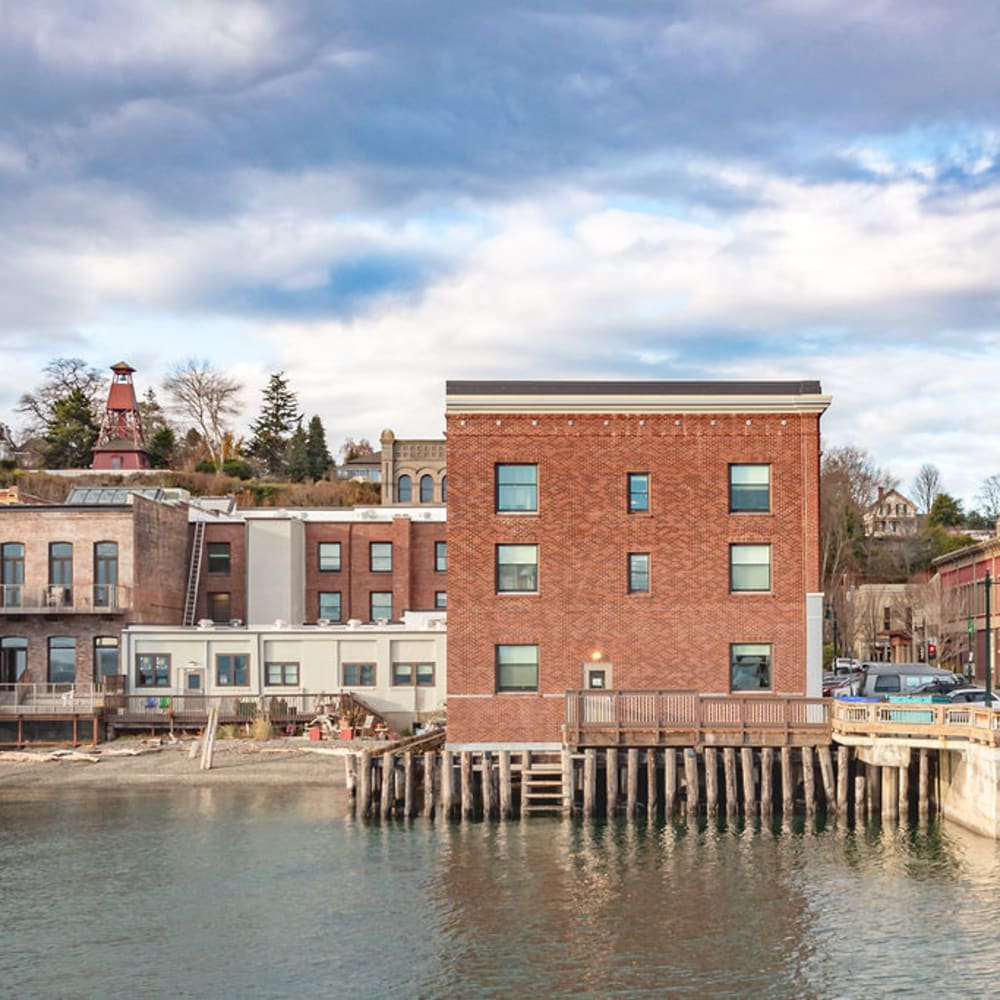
(121, 444)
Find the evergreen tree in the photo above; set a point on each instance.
(298, 456)
(161, 447)
(317, 454)
(945, 512)
(71, 433)
(279, 414)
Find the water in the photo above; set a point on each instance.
(274, 893)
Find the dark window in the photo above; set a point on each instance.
(105, 657)
(232, 670)
(886, 619)
(441, 599)
(218, 557)
(13, 658)
(444, 489)
(517, 668)
(329, 605)
(440, 557)
(152, 670)
(106, 575)
(220, 607)
(638, 491)
(750, 666)
(358, 674)
(404, 489)
(381, 605)
(12, 569)
(749, 488)
(517, 569)
(281, 674)
(638, 572)
(413, 674)
(426, 489)
(887, 684)
(380, 554)
(60, 574)
(517, 487)
(329, 557)
(62, 659)
(750, 567)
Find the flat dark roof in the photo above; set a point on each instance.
(598, 388)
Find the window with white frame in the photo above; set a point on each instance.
(749, 567)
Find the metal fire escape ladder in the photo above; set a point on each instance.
(194, 573)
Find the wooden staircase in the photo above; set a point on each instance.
(541, 784)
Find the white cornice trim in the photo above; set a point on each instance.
(529, 404)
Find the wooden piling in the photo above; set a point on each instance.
(669, 781)
(904, 792)
(365, 783)
(652, 785)
(388, 762)
(843, 776)
(749, 785)
(208, 744)
(809, 780)
(923, 786)
(890, 793)
(589, 783)
(691, 780)
(729, 765)
(506, 795)
(407, 784)
(447, 784)
(611, 781)
(826, 773)
(632, 782)
(429, 760)
(787, 783)
(468, 795)
(872, 790)
(568, 782)
(767, 782)
(351, 781)
(486, 783)
(860, 785)
(711, 782)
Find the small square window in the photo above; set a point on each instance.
(281, 674)
(517, 569)
(218, 557)
(440, 557)
(750, 567)
(638, 572)
(517, 668)
(329, 605)
(402, 674)
(152, 670)
(517, 487)
(750, 666)
(749, 488)
(358, 674)
(638, 492)
(220, 607)
(380, 554)
(441, 599)
(329, 557)
(381, 605)
(232, 670)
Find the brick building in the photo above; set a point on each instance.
(650, 535)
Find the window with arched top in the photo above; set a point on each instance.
(106, 574)
(62, 659)
(404, 490)
(426, 489)
(13, 658)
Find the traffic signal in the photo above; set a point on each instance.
(931, 651)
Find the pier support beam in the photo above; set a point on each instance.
(860, 784)
(652, 785)
(669, 781)
(430, 761)
(611, 782)
(691, 780)
(826, 772)
(408, 784)
(923, 786)
(468, 802)
(589, 783)
(506, 796)
(904, 793)
(890, 793)
(843, 776)
(447, 784)
(388, 763)
(729, 767)
(568, 782)
(365, 783)
(787, 783)
(767, 782)
(632, 782)
(809, 780)
(749, 785)
(711, 782)
(489, 800)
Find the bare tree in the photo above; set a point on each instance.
(989, 497)
(208, 398)
(63, 377)
(926, 487)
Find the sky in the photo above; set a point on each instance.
(377, 197)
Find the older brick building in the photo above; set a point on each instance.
(649, 535)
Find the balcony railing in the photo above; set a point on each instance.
(49, 699)
(100, 598)
(914, 720)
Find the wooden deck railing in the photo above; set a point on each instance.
(916, 720)
(665, 717)
(49, 699)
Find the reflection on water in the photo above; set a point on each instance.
(207, 892)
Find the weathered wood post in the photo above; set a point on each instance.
(787, 783)
(447, 784)
(829, 785)
(652, 785)
(890, 793)
(732, 795)
(489, 804)
(767, 782)
(429, 760)
(872, 790)
(711, 781)
(860, 786)
(809, 780)
(611, 781)
(589, 783)
(408, 784)
(923, 786)
(749, 785)
(691, 780)
(351, 781)
(506, 796)
(632, 783)
(904, 792)
(388, 762)
(843, 776)
(468, 800)
(365, 781)
(568, 782)
(669, 781)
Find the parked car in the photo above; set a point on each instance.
(974, 696)
(844, 683)
(883, 679)
(943, 685)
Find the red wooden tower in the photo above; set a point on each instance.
(121, 444)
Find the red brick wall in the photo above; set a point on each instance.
(678, 635)
(235, 582)
(162, 549)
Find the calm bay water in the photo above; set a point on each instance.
(274, 893)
